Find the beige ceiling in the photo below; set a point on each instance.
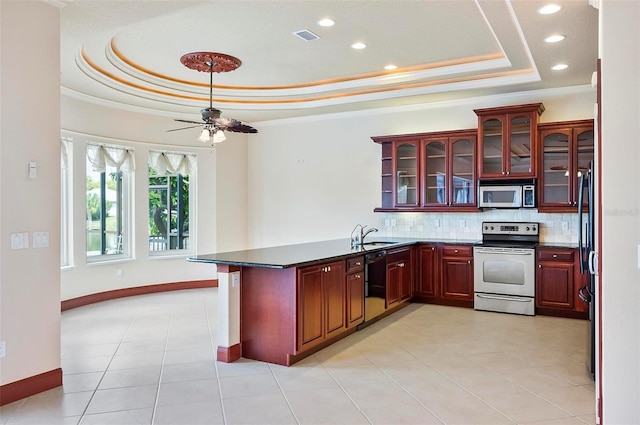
(126, 54)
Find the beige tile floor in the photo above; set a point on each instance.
(150, 360)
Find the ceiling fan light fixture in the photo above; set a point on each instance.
(204, 136)
(218, 136)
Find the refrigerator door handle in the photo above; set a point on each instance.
(581, 252)
(593, 261)
(584, 294)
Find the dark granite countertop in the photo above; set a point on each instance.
(309, 253)
(557, 245)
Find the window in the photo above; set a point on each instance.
(65, 201)
(169, 201)
(108, 169)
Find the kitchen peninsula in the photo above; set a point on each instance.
(281, 304)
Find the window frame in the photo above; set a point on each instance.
(124, 192)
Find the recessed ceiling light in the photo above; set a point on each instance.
(358, 45)
(560, 67)
(390, 67)
(549, 9)
(555, 38)
(326, 22)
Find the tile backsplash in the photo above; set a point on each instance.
(554, 228)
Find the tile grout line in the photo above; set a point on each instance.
(164, 356)
(84, 411)
(214, 348)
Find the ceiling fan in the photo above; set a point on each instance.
(214, 124)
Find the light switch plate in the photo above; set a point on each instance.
(235, 279)
(3, 348)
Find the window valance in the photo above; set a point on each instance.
(114, 156)
(172, 163)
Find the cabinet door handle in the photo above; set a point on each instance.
(401, 265)
(539, 266)
(433, 248)
(508, 172)
(469, 262)
(358, 263)
(329, 268)
(555, 255)
(357, 276)
(455, 250)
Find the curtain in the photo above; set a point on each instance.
(172, 163)
(100, 156)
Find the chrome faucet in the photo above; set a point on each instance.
(363, 233)
(357, 238)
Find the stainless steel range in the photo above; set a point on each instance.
(504, 267)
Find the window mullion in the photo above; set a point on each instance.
(103, 212)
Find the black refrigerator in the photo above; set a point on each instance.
(587, 253)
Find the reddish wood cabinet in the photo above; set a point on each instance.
(429, 171)
(507, 141)
(355, 291)
(399, 276)
(321, 303)
(558, 279)
(566, 149)
(426, 287)
(457, 274)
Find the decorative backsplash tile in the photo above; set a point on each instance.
(554, 228)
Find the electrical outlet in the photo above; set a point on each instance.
(393, 222)
(235, 279)
(387, 222)
(118, 272)
(3, 348)
(462, 223)
(565, 225)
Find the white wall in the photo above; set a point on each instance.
(29, 131)
(215, 204)
(314, 179)
(620, 278)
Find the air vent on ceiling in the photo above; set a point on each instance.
(306, 35)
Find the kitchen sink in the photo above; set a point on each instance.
(378, 243)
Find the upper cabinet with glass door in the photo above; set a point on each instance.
(507, 140)
(428, 171)
(449, 170)
(566, 151)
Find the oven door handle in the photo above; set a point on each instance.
(496, 297)
(488, 251)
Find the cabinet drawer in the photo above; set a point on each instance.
(457, 251)
(355, 264)
(547, 254)
(403, 255)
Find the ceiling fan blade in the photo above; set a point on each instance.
(190, 122)
(234, 125)
(241, 128)
(184, 128)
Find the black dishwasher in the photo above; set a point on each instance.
(375, 284)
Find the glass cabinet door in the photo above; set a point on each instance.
(584, 144)
(556, 156)
(406, 168)
(492, 146)
(435, 173)
(519, 145)
(462, 171)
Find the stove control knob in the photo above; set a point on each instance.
(491, 227)
(533, 228)
(528, 228)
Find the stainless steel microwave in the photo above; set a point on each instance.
(507, 196)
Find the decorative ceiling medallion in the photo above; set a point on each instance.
(201, 61)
